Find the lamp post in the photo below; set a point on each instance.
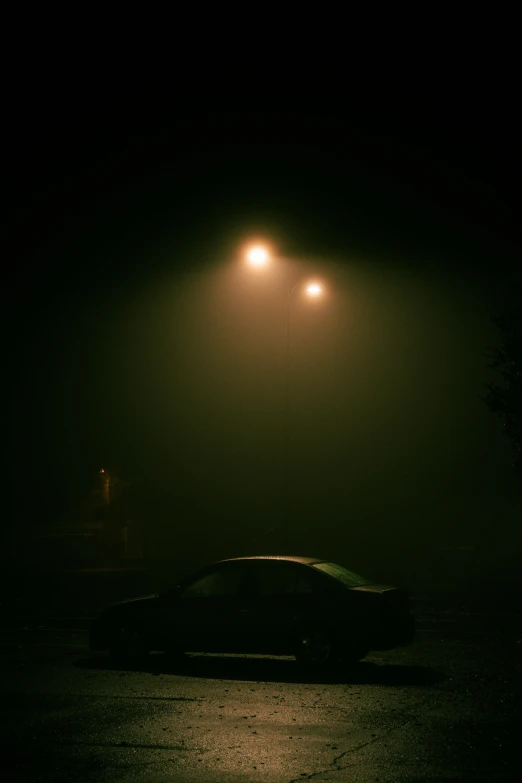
(258, 256)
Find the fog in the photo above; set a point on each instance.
(176, 381)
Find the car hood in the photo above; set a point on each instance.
(377, 588)
(395, 598)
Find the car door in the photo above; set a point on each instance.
(278, 595)
(204, 616)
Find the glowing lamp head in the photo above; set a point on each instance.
(257, 256)
(314, 289)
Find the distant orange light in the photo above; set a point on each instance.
(257, 256)
(314, 289)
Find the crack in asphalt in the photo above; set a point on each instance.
(336, 760)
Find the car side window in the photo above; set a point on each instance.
(220, 583)
(279, 578)
(305, 583)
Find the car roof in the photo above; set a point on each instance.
(289, 558)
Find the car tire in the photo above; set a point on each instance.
(127, 643)
(315, 647)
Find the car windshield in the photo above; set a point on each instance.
(348, 578)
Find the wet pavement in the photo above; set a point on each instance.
(446, 708)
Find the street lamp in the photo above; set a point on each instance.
(259, 256)
(314, 289)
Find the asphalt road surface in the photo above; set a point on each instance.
(446, 708)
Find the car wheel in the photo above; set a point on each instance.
(127, 642)
(315, 647)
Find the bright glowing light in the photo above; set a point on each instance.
(314, 289)
(257, 256)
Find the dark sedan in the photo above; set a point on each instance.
(318, 611)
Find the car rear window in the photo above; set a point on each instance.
(348, 578)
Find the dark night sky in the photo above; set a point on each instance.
(136, 340)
